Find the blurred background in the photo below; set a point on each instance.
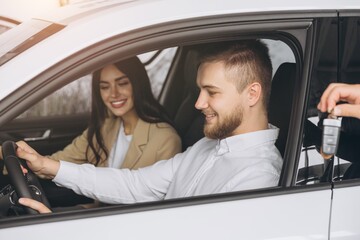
(21, 10)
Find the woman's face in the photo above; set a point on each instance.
(116, 91)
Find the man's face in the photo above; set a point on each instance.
(219, 101)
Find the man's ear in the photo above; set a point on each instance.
(254, 93)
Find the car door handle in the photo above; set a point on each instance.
(45, 136)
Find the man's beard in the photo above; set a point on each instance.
(225, 127)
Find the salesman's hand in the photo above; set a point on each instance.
(42, 166)
(336, 92)
(38, 206)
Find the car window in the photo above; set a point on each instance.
(331, 66)
(347, 159)
(312, 165)
(72, 99)
(279, 52)
(157, 64)
(75, 98)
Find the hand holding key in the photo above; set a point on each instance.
(341, 92)
(329, 102)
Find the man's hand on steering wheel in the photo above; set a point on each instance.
(38, 206)
(24, 181)
(42, 166)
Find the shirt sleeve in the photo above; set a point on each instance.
(254, 178)
(110, 185)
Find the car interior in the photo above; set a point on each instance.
(178, 96)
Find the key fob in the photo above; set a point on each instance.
(331, 135)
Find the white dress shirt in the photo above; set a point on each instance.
(245, 161)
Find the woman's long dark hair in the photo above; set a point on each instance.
(146, 106)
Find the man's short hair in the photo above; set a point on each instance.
(247, 60)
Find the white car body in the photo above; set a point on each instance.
(293, 213)
(7, 23)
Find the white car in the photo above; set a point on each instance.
(7, 23)
(46, 61)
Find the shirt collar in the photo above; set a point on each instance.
(243, 141)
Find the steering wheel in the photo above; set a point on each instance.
(27, 185)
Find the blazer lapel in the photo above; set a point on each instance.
(139, 140)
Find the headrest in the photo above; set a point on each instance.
(280, 104)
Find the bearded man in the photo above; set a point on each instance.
(237, 153)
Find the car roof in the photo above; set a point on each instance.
(52, 36)
(188, 8)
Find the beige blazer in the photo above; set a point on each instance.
(151, 142)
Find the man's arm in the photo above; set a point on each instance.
(110, 185)
(42, 166)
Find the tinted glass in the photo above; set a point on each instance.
(337, 59)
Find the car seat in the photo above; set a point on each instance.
(188, 120)
(280, 104)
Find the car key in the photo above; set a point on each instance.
(331, 135)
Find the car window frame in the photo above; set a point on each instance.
(152, 38)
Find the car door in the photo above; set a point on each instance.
(346, 193)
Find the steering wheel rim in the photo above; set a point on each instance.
(21, 182)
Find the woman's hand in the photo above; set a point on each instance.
(38, 206)
(42, 166)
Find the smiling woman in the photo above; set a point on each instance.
(124, 116)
